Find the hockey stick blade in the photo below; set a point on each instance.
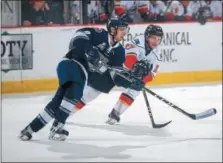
(161, 125)
(151, 114)
(205, 114)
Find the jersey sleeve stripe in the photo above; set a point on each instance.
(130, 60)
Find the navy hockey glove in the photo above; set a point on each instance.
(141, 69)
(93, 56)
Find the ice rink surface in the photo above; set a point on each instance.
(133, 140)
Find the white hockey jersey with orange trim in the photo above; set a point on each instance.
(135, 51)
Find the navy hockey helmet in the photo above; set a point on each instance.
(116, 23)
(154, 30)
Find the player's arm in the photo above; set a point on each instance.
(131, 56)
(82, 43)
(154, 67)
(136, 74)
(82, 37)
(130, 59)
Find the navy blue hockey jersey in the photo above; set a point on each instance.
(87, 38)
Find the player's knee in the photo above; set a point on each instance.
(72, 97)
(54, 104)
(65, 110)
(74, 92)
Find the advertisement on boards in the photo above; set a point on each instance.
(16, 52)
(170, 44)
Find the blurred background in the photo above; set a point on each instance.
(63, 12)
(35, 32)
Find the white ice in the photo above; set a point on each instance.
(133, 140)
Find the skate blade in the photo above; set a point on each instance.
(24, 138)
(112, 122)
(57, 137)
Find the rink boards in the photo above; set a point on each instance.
(191, 53)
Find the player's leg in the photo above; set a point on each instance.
(72, 95)
(89, 94)
(124, 102)
(67, 71)
(73, 74)
(45, 116)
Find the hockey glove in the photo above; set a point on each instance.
(93, 56)
(137, 85)
(141, 69)
(125, 80)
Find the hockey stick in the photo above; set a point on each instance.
(151, 115)
(197, 116)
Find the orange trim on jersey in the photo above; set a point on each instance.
(79, 105)
(130, 60)
(126, 100)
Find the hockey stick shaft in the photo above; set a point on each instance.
(166, 101)
(202, 115)
(148, 108)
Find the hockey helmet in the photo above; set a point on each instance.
(116, 23)
(154, 30)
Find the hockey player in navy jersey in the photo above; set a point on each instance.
(80, 70)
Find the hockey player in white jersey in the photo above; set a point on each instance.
(140, 51)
